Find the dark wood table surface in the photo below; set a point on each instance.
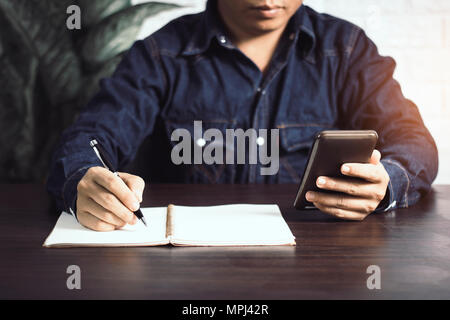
(411, 247)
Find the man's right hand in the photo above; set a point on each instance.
(106, 202)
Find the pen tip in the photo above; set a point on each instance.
(144, 222)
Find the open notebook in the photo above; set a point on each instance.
(226, 225)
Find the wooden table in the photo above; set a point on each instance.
(411, 247)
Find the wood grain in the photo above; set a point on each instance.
(411, 246)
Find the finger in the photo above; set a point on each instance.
(103, 214)
(353, 187)
(110, 202)
(342, 201)
(134, 183)
(366, 171)
(341, 213)
(93, 223)
(375, 158)
(117, 187)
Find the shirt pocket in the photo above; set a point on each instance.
(204, 173)
(296, 140)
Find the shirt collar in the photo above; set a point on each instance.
(301, 27)
(211, 27)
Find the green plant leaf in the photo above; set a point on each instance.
(117, 33)
(17, 79)
(40, 24)
(93, 11)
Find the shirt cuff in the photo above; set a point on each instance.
(398, 187)
(69, 193)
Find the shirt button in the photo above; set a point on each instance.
(260, 141)
(201, 142)
(222, 39)
(292, 36)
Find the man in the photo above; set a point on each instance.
(246, 64)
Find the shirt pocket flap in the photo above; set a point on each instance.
(202, 126)
(294, 137)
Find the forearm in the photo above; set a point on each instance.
(372, 99)
(412, 165)
(409, 153)
(71, 159)
(74, 155)
(120, 116)
(114, 127)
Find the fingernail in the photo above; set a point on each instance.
(321, 181)
(310, 196)
(345, 169)
(136, 206)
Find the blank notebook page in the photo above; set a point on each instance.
(69, 233)
(239, 224)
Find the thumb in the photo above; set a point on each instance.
(375, 158)
(135, 183)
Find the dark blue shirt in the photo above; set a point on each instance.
(325, 74)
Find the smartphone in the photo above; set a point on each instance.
(331, 149)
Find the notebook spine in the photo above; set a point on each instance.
(169, 222)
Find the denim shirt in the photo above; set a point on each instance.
(325, 74)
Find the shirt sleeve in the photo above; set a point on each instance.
(120, 116)
(370, 98)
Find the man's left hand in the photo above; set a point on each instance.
(359, 197)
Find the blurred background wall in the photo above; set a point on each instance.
(39, 102)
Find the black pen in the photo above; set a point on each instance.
(99, 151)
